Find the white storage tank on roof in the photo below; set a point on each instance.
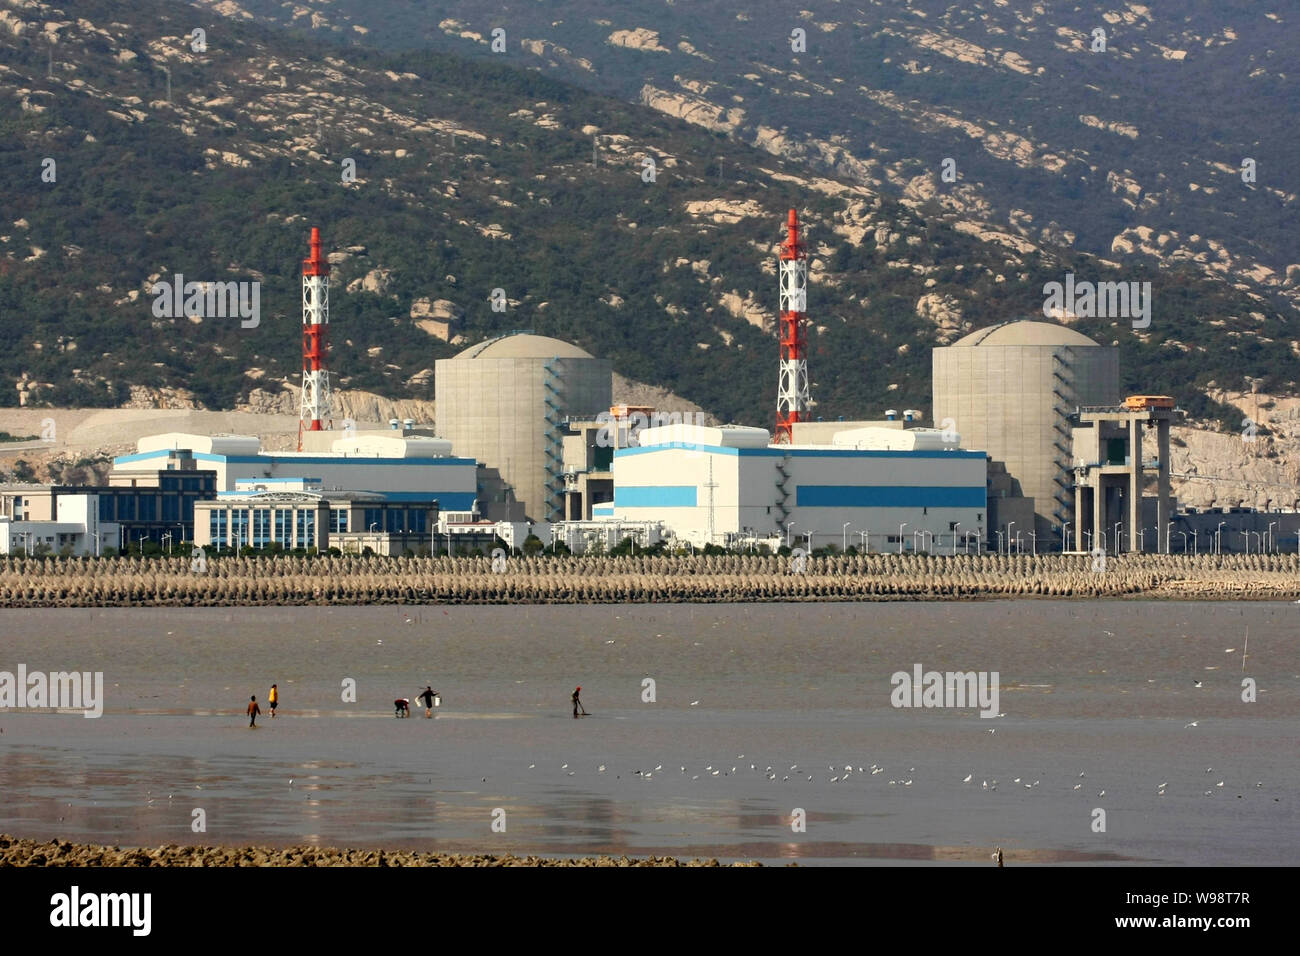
(380, 445)
(728, 436)
(897, 439)
(200, 444)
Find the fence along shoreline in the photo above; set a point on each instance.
(286, 580)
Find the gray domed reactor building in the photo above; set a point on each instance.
(1010, 390)
(505, 402)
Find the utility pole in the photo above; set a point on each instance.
(711, 484)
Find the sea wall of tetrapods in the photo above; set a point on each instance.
(289, 580)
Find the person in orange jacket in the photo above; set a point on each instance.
(253, 711)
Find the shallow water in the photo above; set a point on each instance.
(1105, 689)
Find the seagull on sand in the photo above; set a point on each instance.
(968, 776)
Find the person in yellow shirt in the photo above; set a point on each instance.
(274, 699)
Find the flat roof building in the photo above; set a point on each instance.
(728, 484)
(400, 467)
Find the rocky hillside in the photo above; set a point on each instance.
(1121, 131)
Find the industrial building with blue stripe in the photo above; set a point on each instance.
(1031, 447)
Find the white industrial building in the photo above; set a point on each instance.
(393, 464)
(880, 488)
(76, 529)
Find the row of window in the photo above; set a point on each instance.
(144, 507)
(397, 520)
(241, 526)
(297, 529)
(189, 484)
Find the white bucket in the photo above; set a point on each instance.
(437, 700)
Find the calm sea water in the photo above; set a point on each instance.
(1096, 700)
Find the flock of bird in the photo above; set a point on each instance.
(836, 774)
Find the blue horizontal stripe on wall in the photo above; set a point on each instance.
(654, 496)
(602, 512)
(798, 452)
(889, 496)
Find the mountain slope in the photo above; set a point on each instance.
(474, 176)
(1133, 151)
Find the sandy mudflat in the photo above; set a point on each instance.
(760, 710)
(16, 852)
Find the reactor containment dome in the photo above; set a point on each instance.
(1011, 389)
(505, 402)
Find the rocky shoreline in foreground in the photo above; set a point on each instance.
(325, 580)
(18, 852)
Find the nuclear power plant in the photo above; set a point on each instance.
(1030, 446)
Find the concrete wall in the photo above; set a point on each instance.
(495, 410)
(1002, 401)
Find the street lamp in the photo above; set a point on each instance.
(809, 537)
(1033, 543)
(844, 536)
(1010, 525)
(1184, 534)
(955, 526)
(167, 536)
(1018, 548)
(1246, 535)
(1088, 542)
(1196, 543)
(1119, 542)
(999, 534)
(1142, 537)
(1272, 541)
(788, 526)
(1065, 537)
(900, 536)
(866, 540)
(1218, 538)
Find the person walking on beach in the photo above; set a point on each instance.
(427, 699)
(577, 705)
(274, 698)
(253, 711)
